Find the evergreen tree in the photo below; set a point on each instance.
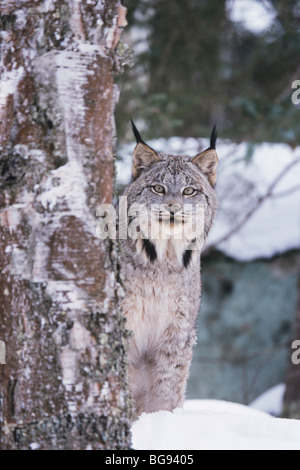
(201, 68)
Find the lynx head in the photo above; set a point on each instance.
(172, 199)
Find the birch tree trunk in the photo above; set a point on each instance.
(64, 384)
(291, 408)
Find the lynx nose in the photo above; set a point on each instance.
(173, 208)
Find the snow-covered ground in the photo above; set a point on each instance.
(215, 425)
(271, 401)
(243, 184)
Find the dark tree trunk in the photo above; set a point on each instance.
(291, 408)
(64, 384)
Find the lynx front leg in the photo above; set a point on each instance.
(169, 376)
(159, 383)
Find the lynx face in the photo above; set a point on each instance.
(172, 198)
(172, 201)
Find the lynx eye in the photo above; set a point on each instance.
(157, 188)
(188, 191)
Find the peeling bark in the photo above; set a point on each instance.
(64, 384)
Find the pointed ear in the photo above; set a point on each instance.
(143, 155)
(207, 161)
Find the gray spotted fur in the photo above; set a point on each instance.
(163, 295)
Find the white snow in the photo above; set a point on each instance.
(69, 366)
(270, 401)
(34, 446)
(254, 15)
(214, 425)
(21, 19)
(80, 337)
(9, 83)
(139, 39)
(275, 226)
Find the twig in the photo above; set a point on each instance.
(287, 192)
(260, 201)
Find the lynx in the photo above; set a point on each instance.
(161, 268)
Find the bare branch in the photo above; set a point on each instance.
(260, 201)
(288, 192)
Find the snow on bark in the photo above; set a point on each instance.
(64, 382)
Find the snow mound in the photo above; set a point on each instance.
(271, 401)
(214, 425)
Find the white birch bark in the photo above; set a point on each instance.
(64, 382)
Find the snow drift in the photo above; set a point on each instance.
(214, 425)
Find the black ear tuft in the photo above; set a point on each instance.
(213, 138)
(136, 133)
